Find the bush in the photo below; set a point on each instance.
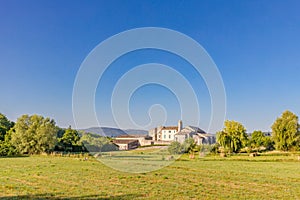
(175, 148)
(6, 149)
(188, 145)
(215, 148)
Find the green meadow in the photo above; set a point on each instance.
(269, 176)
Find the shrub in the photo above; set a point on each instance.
(175, 148)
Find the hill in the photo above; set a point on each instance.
(114, 132)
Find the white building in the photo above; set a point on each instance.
(180, 134)
(165, 133)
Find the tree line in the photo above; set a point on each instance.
(234, 138)
(36, 134)
(285, 136)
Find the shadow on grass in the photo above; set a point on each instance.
(128, 156)
(86, 197)
(16, 156)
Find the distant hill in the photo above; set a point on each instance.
(135, 132)
(113, 132)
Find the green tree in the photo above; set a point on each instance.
(34, 134)
(233, 137)
(188, 145)
(69, 140)
(269, 143)
(6, 147)
(285, 132)
(95, 143)
(60, 132)
(70, 137)
(175, 148)
(224, 139)
(5, 125)
(257, 139)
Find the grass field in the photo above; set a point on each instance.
(237, 177)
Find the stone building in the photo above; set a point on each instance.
(126, 144)
(165, 133)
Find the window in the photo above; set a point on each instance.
(169, 136)
(169, 131)
(165, 136)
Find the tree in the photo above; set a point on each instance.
(5, 125)
(257, 139)
(69, 140)
(60, 132)
(285, 132)
(233, 137)
(6, 147)
(96, 143)
(175, 148)
(269, 143)
(224, 139)
(70, 137)
(34, 134)
(188, 145)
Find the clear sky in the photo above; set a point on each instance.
(255, 45)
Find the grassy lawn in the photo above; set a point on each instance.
(139, 160)
(237, 177)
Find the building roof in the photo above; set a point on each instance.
(124, 141)
(194, 128)
(205, 135)
(170, 128)
(185, 132)
(122, 137)
(127, 136)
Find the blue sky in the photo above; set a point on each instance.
(255, 45)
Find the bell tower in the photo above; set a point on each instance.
(179, 125)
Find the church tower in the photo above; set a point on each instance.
(179, 125)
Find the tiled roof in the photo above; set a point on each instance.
(126, 136)
(196, 129)
(170, 128)
(124, 141)
(205, 135)
(132, 137)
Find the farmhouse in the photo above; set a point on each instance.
(126, 144)
(165, 133)
(132, 141)
(180, 134)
